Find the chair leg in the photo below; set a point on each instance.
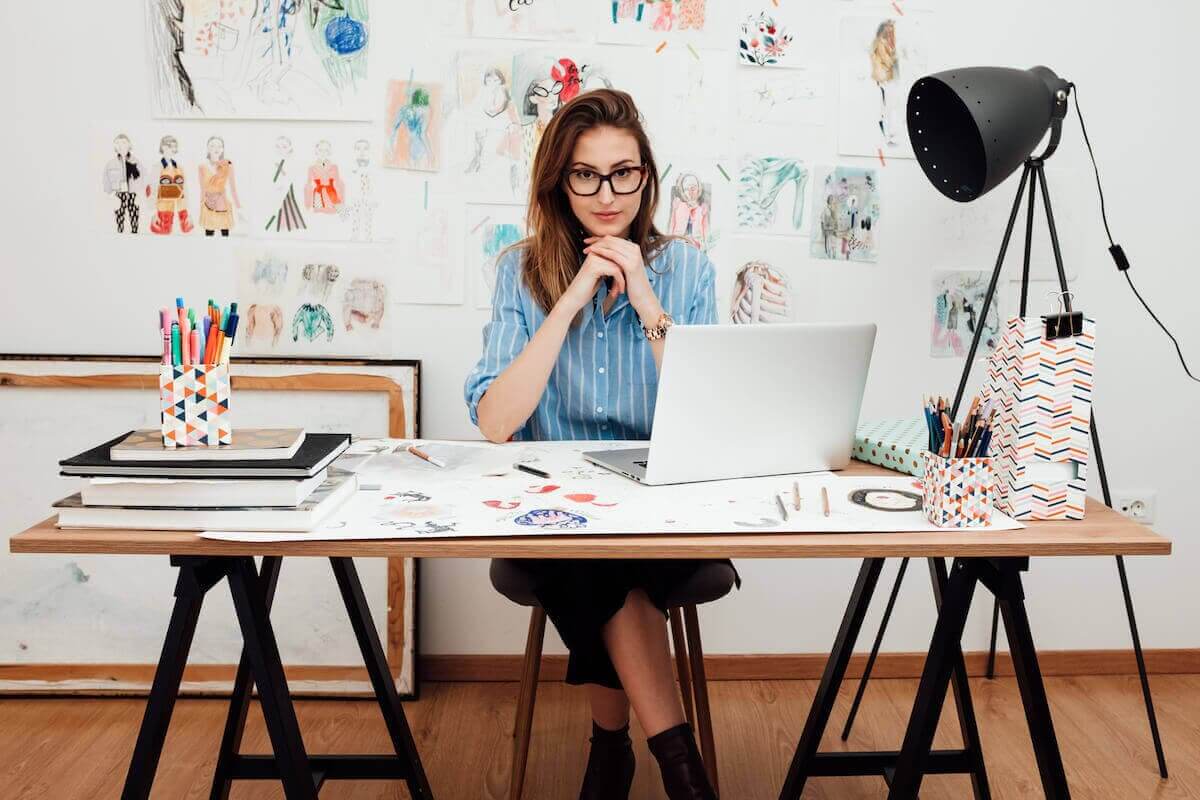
(700, 687)
(523, 723)
(681, 665)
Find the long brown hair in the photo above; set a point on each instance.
(552, 252)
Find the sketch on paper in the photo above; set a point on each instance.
(491, 126)
(762, 202)
(545, 84)
(763, 41)
(122, 180)
(886, 500)
(170, 191)
(630, 20)
(324, 191)
(957, 298)
(845, 214)
(281, 59)
(781, 99)
(412, 120)
(520, 19)
(879, 58)
(219, 203)
(691, 194)
(264, 324)
(491, 229)
(285, 214)
(306, 300)
(760, 294)
(363, 200)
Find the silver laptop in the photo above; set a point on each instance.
(740, 401)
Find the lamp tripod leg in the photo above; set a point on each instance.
(1133, 629)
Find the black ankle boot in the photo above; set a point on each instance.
(678, 757)
(610, 766)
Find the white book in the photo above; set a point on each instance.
(249, 444)
(187, 493)
(308, 515)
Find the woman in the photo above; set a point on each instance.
(170, 196)
(596, 284)
(216, 172)
(885, 71)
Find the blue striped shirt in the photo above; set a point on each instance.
(604, 383)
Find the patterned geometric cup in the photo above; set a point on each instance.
(957, 491)
(194, 404)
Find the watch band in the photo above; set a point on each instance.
(660, 328)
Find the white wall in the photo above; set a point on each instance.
(1133, 64)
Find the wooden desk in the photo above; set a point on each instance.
(993, 560)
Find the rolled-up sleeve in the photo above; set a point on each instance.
(703, 310)
(504, 337)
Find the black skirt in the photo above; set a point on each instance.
(581, 595)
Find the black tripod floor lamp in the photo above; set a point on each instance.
(970, 129)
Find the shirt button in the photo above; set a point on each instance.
(602, 370)
(600, 335)
(599, 409)
(604, 427)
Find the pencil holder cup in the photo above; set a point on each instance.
(957, 491)
(194, 403)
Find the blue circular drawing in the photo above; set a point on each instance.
(345, 36)
(551, 518)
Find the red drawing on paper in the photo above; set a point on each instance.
(584, 497)
(502, 504)
(543, 489)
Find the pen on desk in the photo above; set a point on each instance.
(796, 494)
(825, 499)
(782, 508)
(423, 455)
(531, 470)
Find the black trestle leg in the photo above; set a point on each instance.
(381, 676)
(195, 578)
(249, 600)
(869, 667)
(239, 701)
(935, 680)
(835, 670)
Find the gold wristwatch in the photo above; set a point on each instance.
(660, 328)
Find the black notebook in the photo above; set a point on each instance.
(317, 450)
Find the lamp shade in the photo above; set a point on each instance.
(971, 128)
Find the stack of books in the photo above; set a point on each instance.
(267, 480)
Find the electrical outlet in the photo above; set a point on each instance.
(1137, 505)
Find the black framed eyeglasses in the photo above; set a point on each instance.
(623, 180)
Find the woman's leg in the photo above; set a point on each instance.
(610, 707)
(636, 638)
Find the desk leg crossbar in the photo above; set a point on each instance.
(300, 773)
(904, 769)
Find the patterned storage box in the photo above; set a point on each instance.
(893, 443)
(194, 402)
(1043, 391)
(957, 491)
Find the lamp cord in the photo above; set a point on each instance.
(1115, 249)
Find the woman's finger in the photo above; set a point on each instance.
(616, 256)
(607, 268)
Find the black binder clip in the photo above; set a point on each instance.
(1066, 323)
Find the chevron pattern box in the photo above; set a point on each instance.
(957, 492)
(194, 402)
(1043, 391)
(893, 443)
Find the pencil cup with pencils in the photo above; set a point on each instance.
(193, 382)
(957, 491)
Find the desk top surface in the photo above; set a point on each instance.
(1103, 532)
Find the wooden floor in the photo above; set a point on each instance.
(66, 749)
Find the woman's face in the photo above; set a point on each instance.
(216, 149)
(691, 189)
(892, 501)
(604, 150)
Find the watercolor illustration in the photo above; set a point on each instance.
(412, 119)
(845, 214)
(957, 298)
(122, 179)
(764, 188)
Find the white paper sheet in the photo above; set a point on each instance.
(478, 493)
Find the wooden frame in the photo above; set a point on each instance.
(397, 586)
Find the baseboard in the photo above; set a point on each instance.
(809, 666)
(214, 679)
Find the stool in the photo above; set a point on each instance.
(712, 581)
